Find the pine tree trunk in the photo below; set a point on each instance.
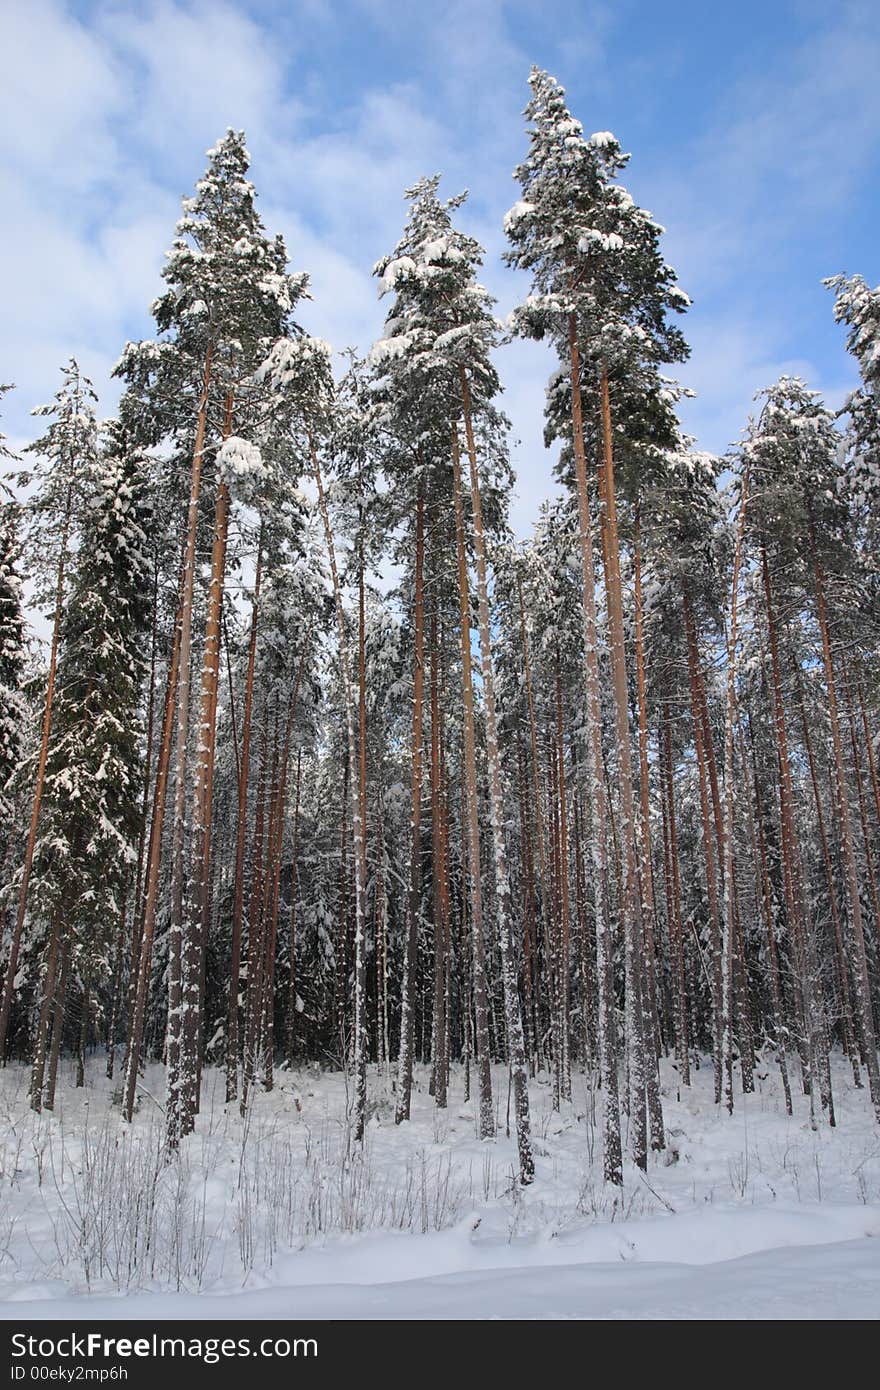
(199, 907)
(470, 818)
(340, 972)
(857, 932)
(38, 1068)
(564, 989)
(85, 1019)
(504, 905)
(144, 947)
(410, 947)
(266, 1001)
(802, 930)
(359, 1051)
(57, 1030)
(870, 872)
(232, 1026)
(383, 1048)
(30, 844)
(294, 895)
(840, 949)
(869, 747)
(554, 915)
(642, 1068)
(728, 844)
(529, 924)
(673, 909)
(759, 851)
(175, 1093)
(445, 856)
(646, 867)
(359, 1040)
(584, 944)
(715, 930)
(113, 1022)
(440, 893)
(595, 772)
(536, 791)
(276, 841)
(255, 954)
(142, 869)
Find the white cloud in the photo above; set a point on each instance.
(60, 85)
(108, 120)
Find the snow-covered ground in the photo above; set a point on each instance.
(750, 1216)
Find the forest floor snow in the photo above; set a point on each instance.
(754, 1215)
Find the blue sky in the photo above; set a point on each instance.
(754, 133)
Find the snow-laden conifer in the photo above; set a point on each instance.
(64, 458)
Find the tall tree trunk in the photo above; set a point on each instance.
(142, 869)
(673, 910)
(116, 994)
(802, 930)
(554, 917)
(359, 1052)
(870, 871)
(595, 773)
(276, 842)
(143, 944)
(529, 924)
(199, 916)
(643, 1082)
(759, 852)
(839, 947)
(340, 973)
(728, 844)
(359, 1040)
(869, 748)
(413, 907)
(57, 1030)
(584, 944)
(84, 1021)
(30, 844)
(266, 1001)
(176, 1086)
(255, 954)
(440, 892)
(383, 1048)
(232, 1029)
(47, 999)
(504, 904)
(536, 791)
(294, 895)
(715, 930)
(647, 867)
(470, 816)
(564, 898)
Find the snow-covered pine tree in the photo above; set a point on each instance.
(414, 418)
(65, 456)
(601, 292)
(229, 296)
(687, 557)
(858, 306)
(276, 531)
(86, 847)
(355, 455)
(645, 429)
(299, 372)
(12, 655)
(12, 664)
(802, 539)
(442, 332)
